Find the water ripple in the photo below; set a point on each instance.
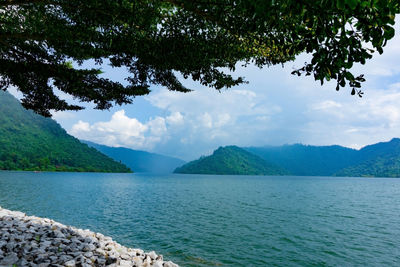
(204, 220)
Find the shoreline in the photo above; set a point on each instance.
(34, 241)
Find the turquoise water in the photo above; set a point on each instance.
(204, 220)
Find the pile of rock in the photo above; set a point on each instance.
(33, 241)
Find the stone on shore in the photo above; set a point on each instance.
(33, 241)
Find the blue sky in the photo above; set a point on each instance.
(275, 108)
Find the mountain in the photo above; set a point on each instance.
(140, 161)
(308, 160)
(31, 142)
(378, 160)
(231, 160)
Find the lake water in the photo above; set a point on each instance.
(205, 220)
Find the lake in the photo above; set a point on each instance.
(206, 220)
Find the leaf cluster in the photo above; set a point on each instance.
(43, 43)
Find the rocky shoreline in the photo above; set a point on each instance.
(33, 241)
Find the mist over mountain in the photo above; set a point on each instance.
(140, 161)
(377, 160)
(301, 159)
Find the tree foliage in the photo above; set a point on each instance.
(43, 43)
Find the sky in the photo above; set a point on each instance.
(274, 108)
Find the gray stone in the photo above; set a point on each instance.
(22, 262)
(11, 245)
(101, 261)
(42, 242)
(58, 234)
(45, 243)
(88, 254)
(65, 258)
(111, 260)
(10, 259)
(91, 247)
(100, 251)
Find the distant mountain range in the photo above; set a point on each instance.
(140, 161)
(31, 142)
(378, 160)
(231, 160)
(308, 160)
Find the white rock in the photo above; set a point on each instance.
(170, 264)
(48, 243)
(137, 260)
(125, 263)
(70, 263)
(152, 255)
(158, 264)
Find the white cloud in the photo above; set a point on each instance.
(80, 127)
(274, 108)
(157, 126)
(327, 104)
(206, 120)
(372, 119)
(175, 119)
(63, 115)
(121, 130)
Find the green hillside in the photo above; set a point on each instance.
(307, 160)
(378, 160)
(31, 142)
(231, 160)
(140, 161)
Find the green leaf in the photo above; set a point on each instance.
(389, 32)
(349, 76)
(352, 3)
(340, 4)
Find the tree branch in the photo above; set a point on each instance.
(23, 2)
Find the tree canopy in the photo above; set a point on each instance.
(45, 43)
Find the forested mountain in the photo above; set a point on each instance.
(231, 160)
(140, 161)
(31, 142)
(379, 160)
(308, 160)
